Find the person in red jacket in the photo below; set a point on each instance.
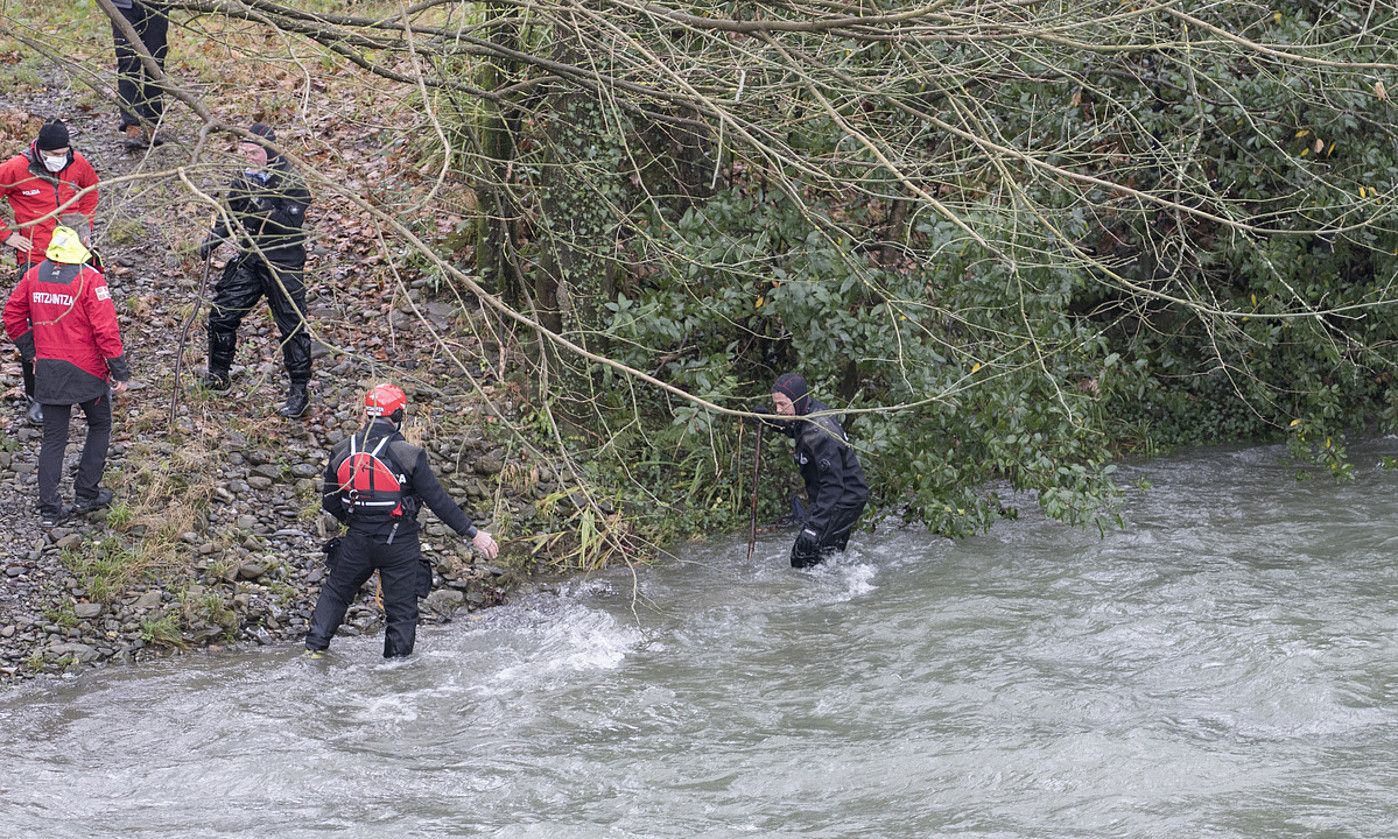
(40, 183)
(61, 317)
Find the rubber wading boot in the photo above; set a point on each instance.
(35, 415)
(217, 379)
(298, 398)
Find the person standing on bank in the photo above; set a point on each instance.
(835, 488)
(266, 206)
(375, 483)
(142, 102)
(39, 183)
(62, 318)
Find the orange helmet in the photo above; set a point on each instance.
(385, 400)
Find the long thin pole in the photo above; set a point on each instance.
(756, 471)
(184, 337)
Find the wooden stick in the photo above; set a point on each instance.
(756, 471)
(184, 339)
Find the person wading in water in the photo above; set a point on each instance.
(836, 491)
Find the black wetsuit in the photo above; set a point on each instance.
(835, 486)
(384, 542)
(269, 212)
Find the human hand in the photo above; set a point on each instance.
(807, 542)
(18, 242)
(120, 387)
(485, 543)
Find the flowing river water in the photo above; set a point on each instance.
(1226, 665)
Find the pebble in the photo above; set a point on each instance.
(87, 610)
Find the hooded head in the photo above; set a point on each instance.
(793, 387)
(66, 247)
(256, 155)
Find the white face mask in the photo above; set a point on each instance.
(55, 164)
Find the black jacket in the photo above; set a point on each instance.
(268, 215)
(422, 485)
(828, 465)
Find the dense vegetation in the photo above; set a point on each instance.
(1015, 240)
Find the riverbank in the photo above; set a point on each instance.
(214, 538)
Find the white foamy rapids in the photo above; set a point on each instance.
(847, 575)
(569, 640)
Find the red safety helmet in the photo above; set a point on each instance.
(385, 400)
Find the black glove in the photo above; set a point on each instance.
(207, 249)
(807, 542)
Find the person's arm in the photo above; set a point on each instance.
(106, 333)
(330, 492)
(17, 325)
(233, 204)
(8, 233)
(87, 204)
(767, 417)
(434, 495)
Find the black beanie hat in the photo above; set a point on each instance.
(795, 388)
(263, 130)
(54, 135)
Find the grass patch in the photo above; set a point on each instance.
(64, 616)
(163, 631)
(104, 567)
(125, 231)
(208, 608)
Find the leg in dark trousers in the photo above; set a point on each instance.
(141, 98)
(56, 418)
(353, 568)
(400, 570)
(94, 457)
(237, 291)
(833, 538)
(285, 288)
(26, 369)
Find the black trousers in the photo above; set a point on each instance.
(246, 279)
(141, 98)
(833, 538)
(94, 457)
(401, 570)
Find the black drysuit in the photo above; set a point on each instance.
(835, 486)
(268, 212)
(378, 540)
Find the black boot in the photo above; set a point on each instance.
(217, 379)
(35, 415)
(222, 344)
(298, 398)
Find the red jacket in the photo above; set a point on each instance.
(62, 316)
(34, 191)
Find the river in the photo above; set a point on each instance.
(1226, 665)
